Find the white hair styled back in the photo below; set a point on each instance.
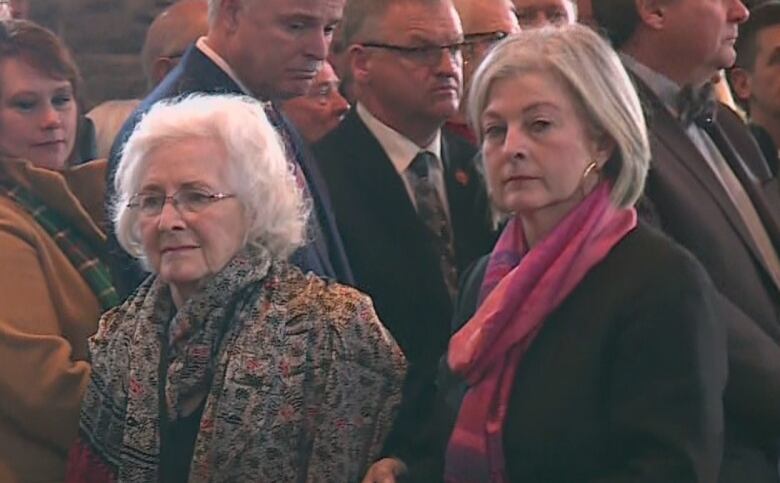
(259, 174)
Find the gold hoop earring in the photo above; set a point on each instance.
(588, 169)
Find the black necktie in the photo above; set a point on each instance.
(430, 209)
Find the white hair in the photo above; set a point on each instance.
(259, 174)
(598, 83)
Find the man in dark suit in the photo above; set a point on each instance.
(406, 196)
(270, 50)
(711, 190)
(756, 77)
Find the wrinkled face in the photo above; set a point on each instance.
(765, 78)
(423, 84)
(186, 248)
(538, 13)
(703, 33)
(280, 45)
(38, 115)
(493, 20)
(536, 147)
(320, 110)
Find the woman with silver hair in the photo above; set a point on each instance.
(586, 345)
(228, 363)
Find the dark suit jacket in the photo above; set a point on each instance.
(624, 381)
(689, 204)
(388, 245)
(196, 73)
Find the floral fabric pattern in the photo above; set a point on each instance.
(301, 380)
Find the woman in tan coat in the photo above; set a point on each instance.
(53, 286)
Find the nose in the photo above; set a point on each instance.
(450, 63)
(515, 146)
(170, 218)
(318, 44)
(739, 13)
(340, 105)
(51, 118)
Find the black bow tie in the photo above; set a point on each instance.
(696, 105)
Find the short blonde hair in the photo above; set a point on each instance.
(599, 85)
(260, 174)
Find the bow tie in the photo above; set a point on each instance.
(696, 105)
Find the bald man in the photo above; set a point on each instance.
(485, 22)
(169, 35)
(540, 13)
(171, 32)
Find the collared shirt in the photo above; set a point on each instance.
(402, 150)
(667, 91)
(203, 46)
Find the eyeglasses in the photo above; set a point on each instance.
(425, 55)
(470, 41)
(190, 200)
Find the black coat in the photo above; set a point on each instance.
(624, 381)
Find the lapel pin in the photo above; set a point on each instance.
(462, 177)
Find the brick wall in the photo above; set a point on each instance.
(106, 38)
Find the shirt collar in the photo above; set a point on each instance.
(400, 149)
(204, 47)
(666, 89)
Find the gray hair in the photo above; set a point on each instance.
(259, 173)
(599, 85)
(214, 10)
(363, 16)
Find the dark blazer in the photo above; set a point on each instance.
(624, 381)
(196, 73)
(388, 245)
(689, 204)
(767, 146)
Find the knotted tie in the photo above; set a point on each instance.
(696, 105)
(430, 209)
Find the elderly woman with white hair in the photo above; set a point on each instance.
(228, 363)
(586, 347)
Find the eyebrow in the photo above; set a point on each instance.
(775, 54)
(530, 108)
(426, 40)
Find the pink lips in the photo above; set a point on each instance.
(178, 249)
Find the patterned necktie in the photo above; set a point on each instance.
(430, 209)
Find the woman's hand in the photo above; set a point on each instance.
(385, 471)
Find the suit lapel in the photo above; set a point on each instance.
(667, 130)
(462, 184)
(379, 179)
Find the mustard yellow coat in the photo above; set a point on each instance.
(47, 311)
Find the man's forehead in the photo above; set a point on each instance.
(491, 16)
(539, 4)
(329, 10)
(769, 37)
(418, 21)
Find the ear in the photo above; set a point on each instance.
(160, 68)
(230, 13)
(604, 147)
(359, 62)
(652, 13)
(741, 83)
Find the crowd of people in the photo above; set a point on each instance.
(389, 241)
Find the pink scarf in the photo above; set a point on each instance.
(521, 288)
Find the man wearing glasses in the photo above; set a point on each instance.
(485, 22)
(406, 196)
